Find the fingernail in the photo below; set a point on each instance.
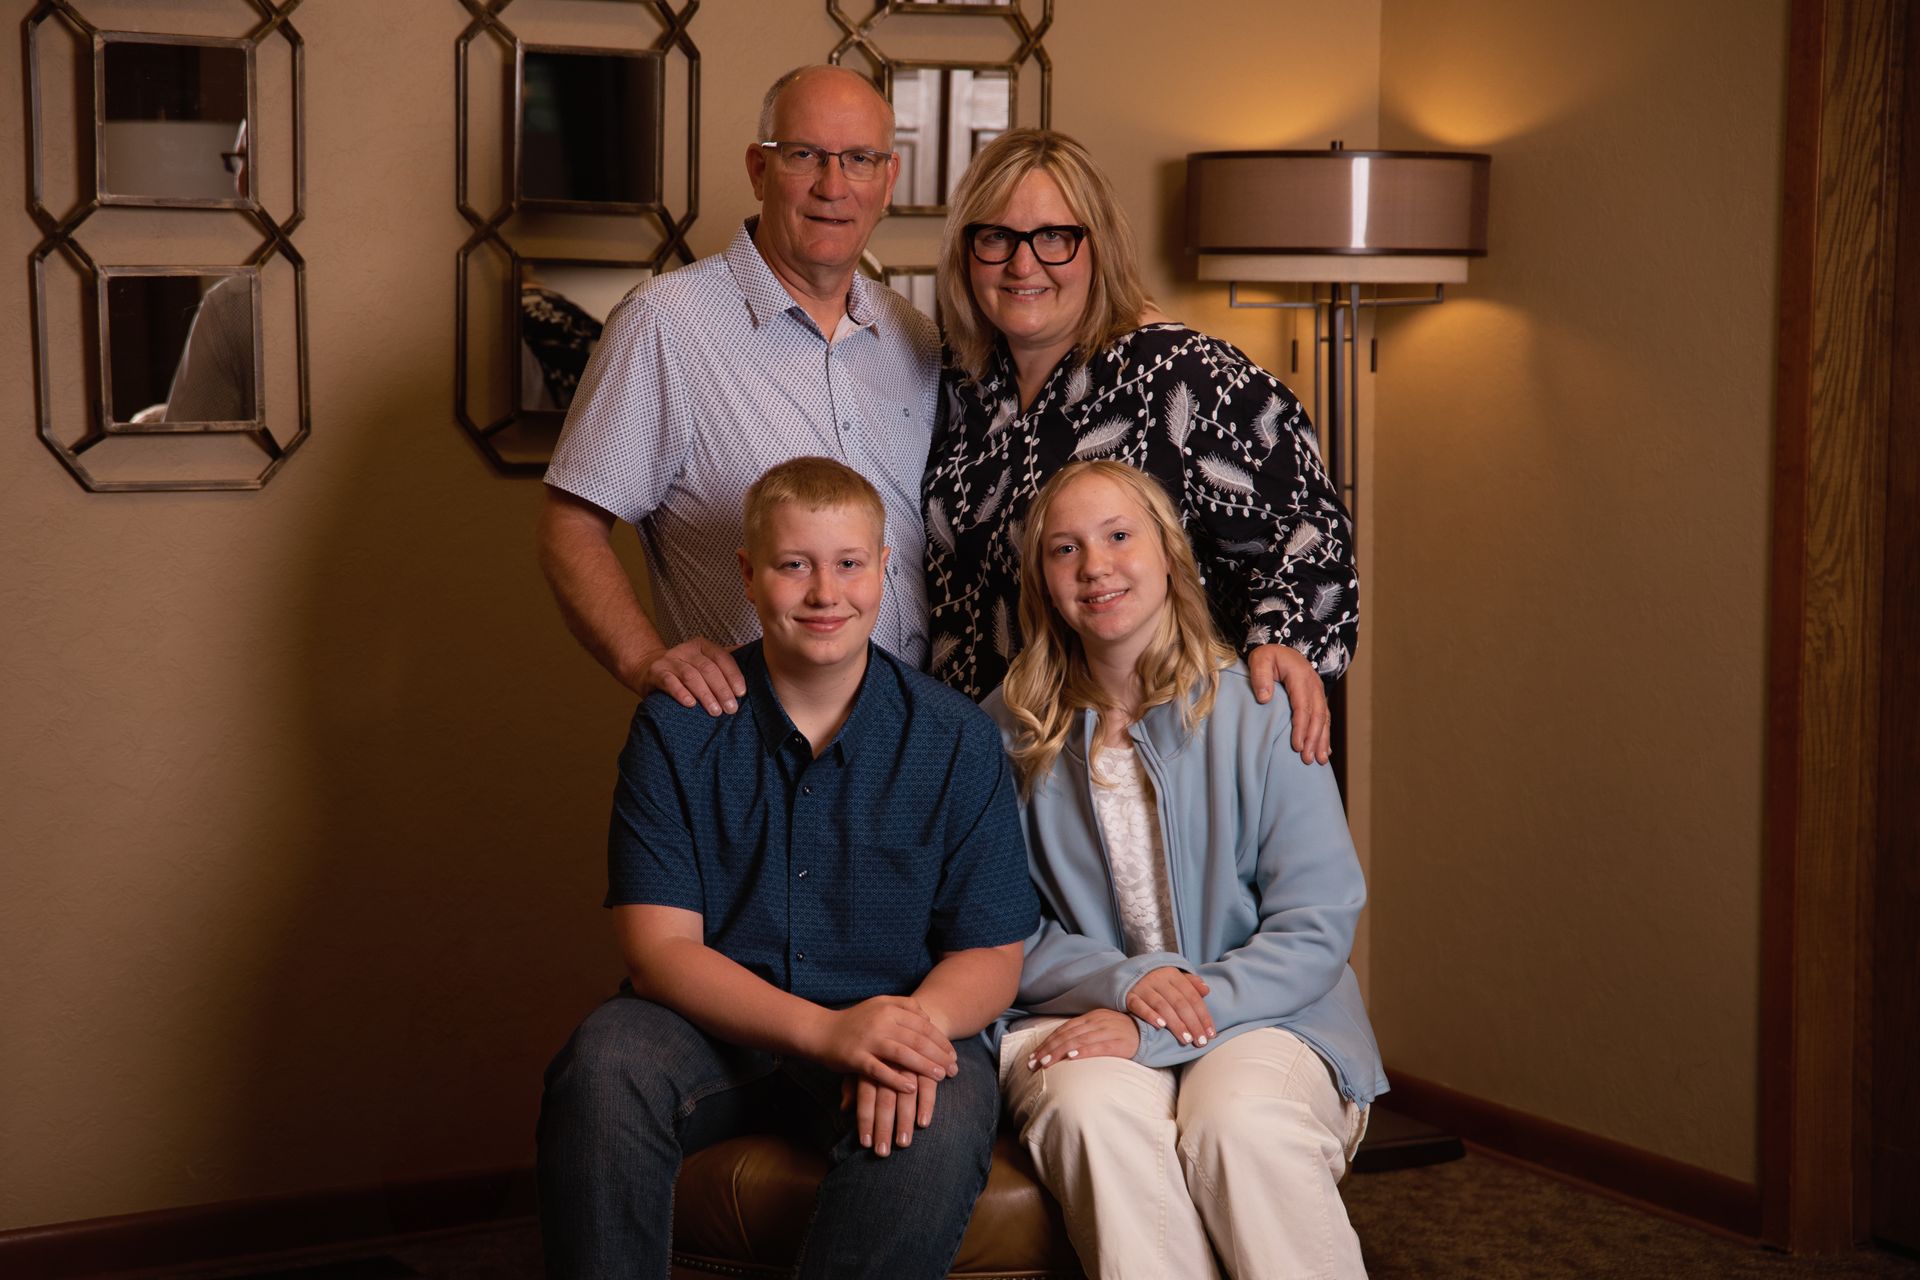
(1201, 1040)
(1186, 1037)
(1031, 1061)
(1159, 1022)
(866, 1139)
(1045, 1060)
(881, 1149)
(732, 706)
(1073, 1053)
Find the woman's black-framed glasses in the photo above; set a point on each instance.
(1052, 246)
(804, 160)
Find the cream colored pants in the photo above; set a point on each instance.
(1238, 1154)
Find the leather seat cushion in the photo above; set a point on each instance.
(742, 1206)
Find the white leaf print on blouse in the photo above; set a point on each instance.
(1179, 414)
(1304, 539)
(1002, 630)
(1333, 661)
(991, 503)
(1078, 384)
(1326, 598)
(1226, 477)
(1267, 425)
(1102, 438)
(937, 524)
(1002, 416)
(943, 650)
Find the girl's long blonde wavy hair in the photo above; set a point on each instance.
(1049, 682)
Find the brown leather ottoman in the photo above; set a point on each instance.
(741, 1206)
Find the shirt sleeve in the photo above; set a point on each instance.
(1070, 973)
(984, 898)
(629, 432)
(1309, 892)
(1257, 490)
(650, 851)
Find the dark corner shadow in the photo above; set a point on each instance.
(441, 933)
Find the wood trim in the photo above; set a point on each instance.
(1894, 1212)
(1648, 1180)
(204, 1234)
(1833, 388)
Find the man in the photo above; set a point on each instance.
(707, 376)
(821, 901)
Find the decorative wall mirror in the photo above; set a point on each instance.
(564, 304)
(947, 108)
(170, 116)
(588, 127)
(916, 285)
(182, 348)
(586, 133)
(943, 114)
(157, 376)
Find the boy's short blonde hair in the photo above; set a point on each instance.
(813, 483)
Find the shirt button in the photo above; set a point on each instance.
(802, 875)
(799, 955)
(806, 791)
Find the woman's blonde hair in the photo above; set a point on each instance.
(1049, 682)
(1115, 297)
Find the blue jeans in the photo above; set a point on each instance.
(638, 1087)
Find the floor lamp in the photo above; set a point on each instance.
(1338, 220)
(1342, 220)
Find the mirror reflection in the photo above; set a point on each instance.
(563, 308)
(181, 347)
(943, 115)
(590, 126)
(915, 284)
(173, 123)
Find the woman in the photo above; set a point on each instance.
(1058, 354)
(1190, 1062)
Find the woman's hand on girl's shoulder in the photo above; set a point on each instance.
(1104, 1033)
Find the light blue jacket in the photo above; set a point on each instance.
(1266, 887)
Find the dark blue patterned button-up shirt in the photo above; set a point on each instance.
(838, 877)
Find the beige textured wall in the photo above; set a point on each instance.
(305, 790)
(1568, 602)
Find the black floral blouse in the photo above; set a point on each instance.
(1228, 441)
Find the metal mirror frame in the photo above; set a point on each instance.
(858, 35)
(61, 234)
(542, 204)
(488, 229)
(101, 39)
(254, 426)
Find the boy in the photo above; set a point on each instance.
(820, 900)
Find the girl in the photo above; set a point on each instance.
(1190, 1063)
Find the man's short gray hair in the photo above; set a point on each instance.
(785, 82)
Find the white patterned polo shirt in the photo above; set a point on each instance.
(707, 376)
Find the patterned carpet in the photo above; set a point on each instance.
(1477, 1219)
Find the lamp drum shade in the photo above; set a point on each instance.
(1367, 203)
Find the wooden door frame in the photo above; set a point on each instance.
(1834, 383)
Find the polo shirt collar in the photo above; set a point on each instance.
(875, 704)
(766, 297)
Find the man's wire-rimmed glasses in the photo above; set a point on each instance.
(804, 160)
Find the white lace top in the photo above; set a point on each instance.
(1129, 818)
